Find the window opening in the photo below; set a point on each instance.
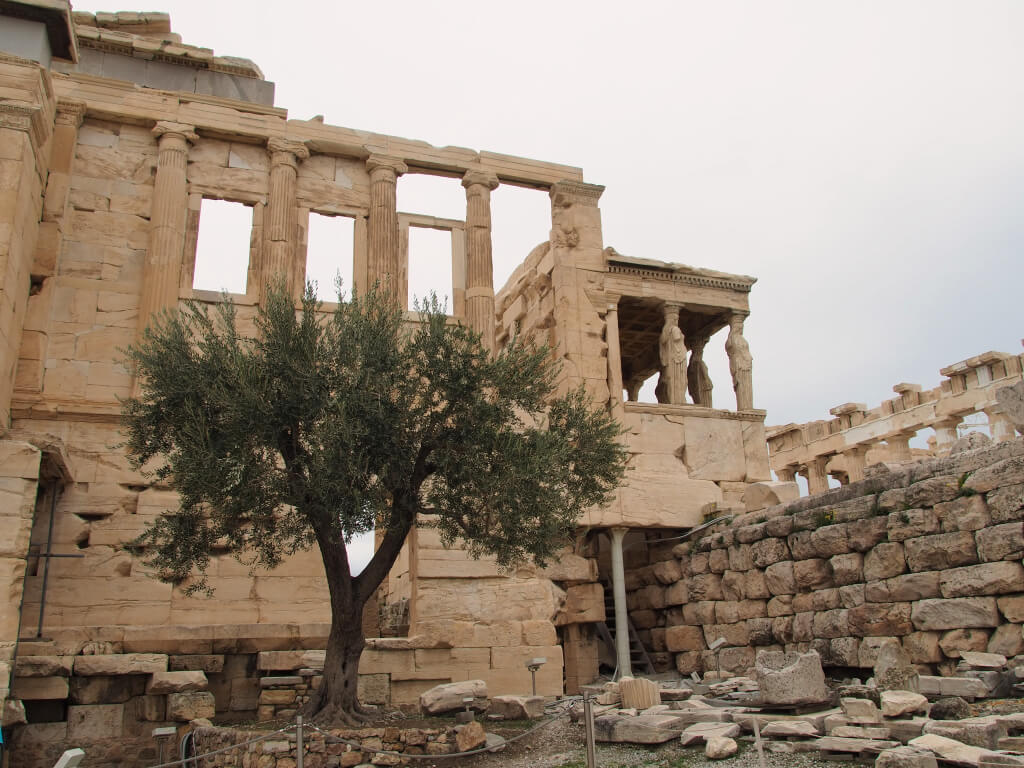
(222, 247)
(329, 249)
(430, 265)
(520, 221)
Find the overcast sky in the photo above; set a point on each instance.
(864, 160)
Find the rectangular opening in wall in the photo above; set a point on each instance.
(430, 265)
(329, 249)
(222, 246)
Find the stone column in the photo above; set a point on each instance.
(899, 447)
(740, 363)
(280, 223)
(621, 611)
(672, 355)
(382, 262)
(479, 267)
(1000, 427)
(611, 321)
(855, 462)
(70, 115)
(817, 477)
(698, 380)
(786, 474)
(162, 271)
(946, 434)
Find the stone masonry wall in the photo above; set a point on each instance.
(928, 553)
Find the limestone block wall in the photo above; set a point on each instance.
(929, 554)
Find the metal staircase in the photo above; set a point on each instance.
(639, 660)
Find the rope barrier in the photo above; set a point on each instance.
(331, 739)
(183, 761)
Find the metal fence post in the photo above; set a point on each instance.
(299, 748)
(588, 719)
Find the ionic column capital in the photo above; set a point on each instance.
(70, 112)
(286, 151)
(479, 176)
(385, 165)
(167, 130)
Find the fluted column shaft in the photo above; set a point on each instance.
(383, 262)
(69, 117)
(479, 266)
(855, 462)
(281, 227)
(162, 271)
(817, 477)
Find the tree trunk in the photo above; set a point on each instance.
(337, 700)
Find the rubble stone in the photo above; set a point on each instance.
(898, 703)
(787, 679)
(720, 747)
(449, 697)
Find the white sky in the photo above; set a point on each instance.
(863, 159)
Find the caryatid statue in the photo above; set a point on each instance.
(740, 364)
(672, 355)
(698, 381)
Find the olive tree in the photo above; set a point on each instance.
(317, 426)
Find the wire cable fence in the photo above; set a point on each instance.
(301, 730)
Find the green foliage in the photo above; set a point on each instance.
(316, 427)
(824, 517)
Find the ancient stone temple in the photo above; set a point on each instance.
(858, 437)
(114, 137)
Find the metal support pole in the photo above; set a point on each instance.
(299, 748)
(591, 747)
(621, 611)
(757, 741)
(46, 559)
(533, 675)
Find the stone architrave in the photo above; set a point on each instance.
(382, 261)
(162, 271)
(1011, 401)
(479, 264)
(672, 355)
(281, 228)
(740, 363)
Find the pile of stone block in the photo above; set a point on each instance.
(896, 726)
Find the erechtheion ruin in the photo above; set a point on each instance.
(113, 133)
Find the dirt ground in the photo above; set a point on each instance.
(559, 743)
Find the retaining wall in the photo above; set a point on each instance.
(927, 553)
